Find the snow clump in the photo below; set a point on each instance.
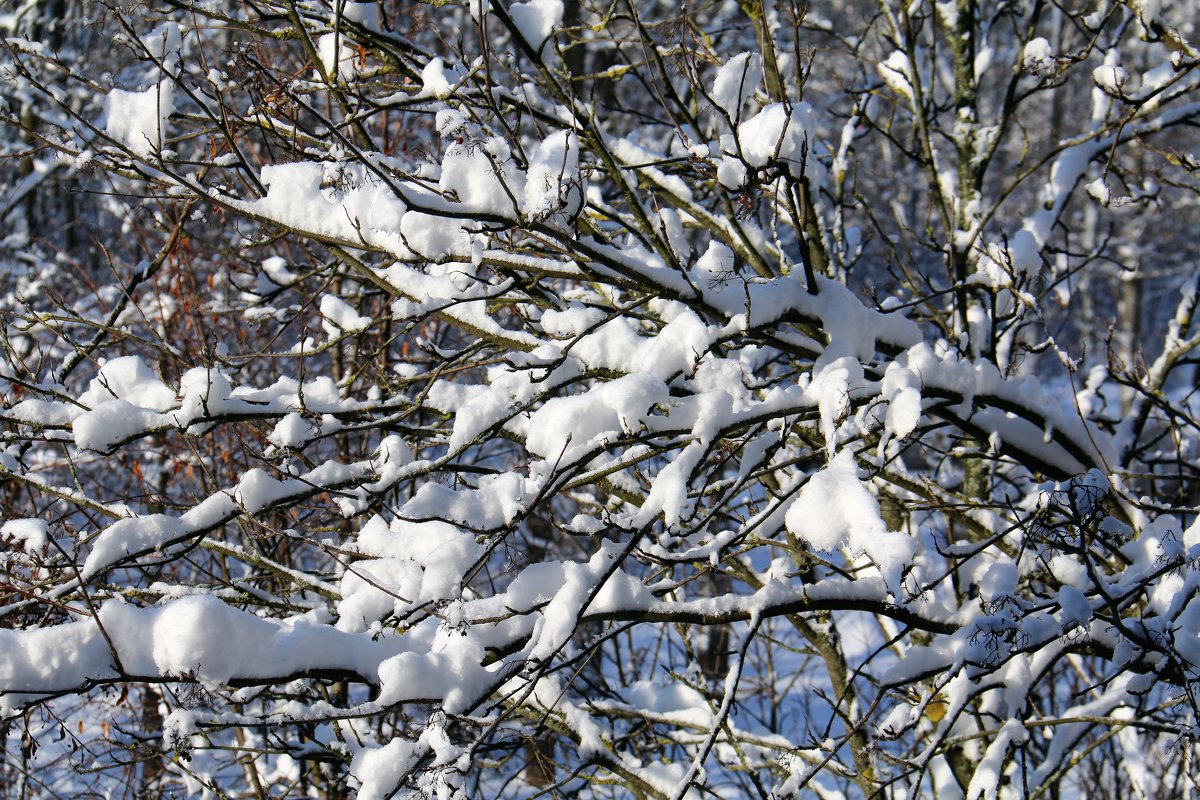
(138, 120)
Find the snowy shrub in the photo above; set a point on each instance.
(508, 399)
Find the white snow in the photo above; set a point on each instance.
(128, 378)
(999, 581)
(1100, 191)
(567, 427)
(480, 180)
(195, 636)
(552, 182)
(291, 432)
(896, 71)
(1037, 55)
(902, 389)
(835, 509)
(620, 410)
(30, 534)
(736, 82)
(1110, 78)
(113, 422)
(774, 134)
(435, 81)
(536, 20)
(339, 60)
(138, 120)
(339, 317)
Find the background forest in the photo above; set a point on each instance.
(744, 399)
